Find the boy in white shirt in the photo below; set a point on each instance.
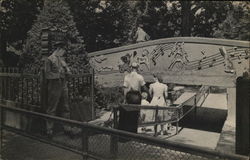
(144, 113)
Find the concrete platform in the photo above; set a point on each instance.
(197, 137)
(189, 136)
(218, 101)
(213, 100)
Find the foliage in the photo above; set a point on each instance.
(237, 22)
(105, 97)
(103, 24)
(56, 16)
(184, 18)
(16, 18)
(108, 24)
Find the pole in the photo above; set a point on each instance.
(84, 144)
(114, 138)
(92, 93)
(1, 132)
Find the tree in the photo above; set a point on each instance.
(103, 24)
(182, 18)
(207, 17)
(56, 16)
(162, 19)
(237, 23)
(16, 18)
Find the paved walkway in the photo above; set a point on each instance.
(21, 148)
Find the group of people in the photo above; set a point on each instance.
(135, 91)
(134, 84)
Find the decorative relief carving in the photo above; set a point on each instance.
(125, 61)
(144, 59)
(180, 57)
(100, 59)
(177, 57)
(159, 51)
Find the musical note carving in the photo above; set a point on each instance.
(212, 64)
(156, 53)
(199, 65)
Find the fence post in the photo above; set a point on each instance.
(156, 120)
(114, 139)
(178, 119)
(115, 117)
(43, 94)
(84, 144)
(92, 92)
(1, 132)
(195, 107)
(242, 116)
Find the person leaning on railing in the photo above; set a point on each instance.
(159, 92)
(56, 70)
(134, 81)
(133, 85)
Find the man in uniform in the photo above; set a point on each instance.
(56, 70)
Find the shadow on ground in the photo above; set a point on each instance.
(207, 119)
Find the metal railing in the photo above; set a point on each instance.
(105, 143)
(175, 112)
(30, 90)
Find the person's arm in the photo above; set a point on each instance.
(125, 86)
(150, 90)
(143, 85)
(136, 35)
(49, 73)
(166, 91)
(65, 65)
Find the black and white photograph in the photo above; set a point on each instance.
(124, 80)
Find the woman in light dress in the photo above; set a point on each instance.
(159, 92)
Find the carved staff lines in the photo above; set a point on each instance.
(159, 50)
(216, 59)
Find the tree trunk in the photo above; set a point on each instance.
(186, 21)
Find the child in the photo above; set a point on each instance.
(144, 113)
(144, 98)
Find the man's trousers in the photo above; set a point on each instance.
(57, 100)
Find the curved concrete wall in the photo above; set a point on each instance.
(183, 60)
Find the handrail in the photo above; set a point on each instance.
(136, 106)
(27, 75)
(178, 109)
(163, 143)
